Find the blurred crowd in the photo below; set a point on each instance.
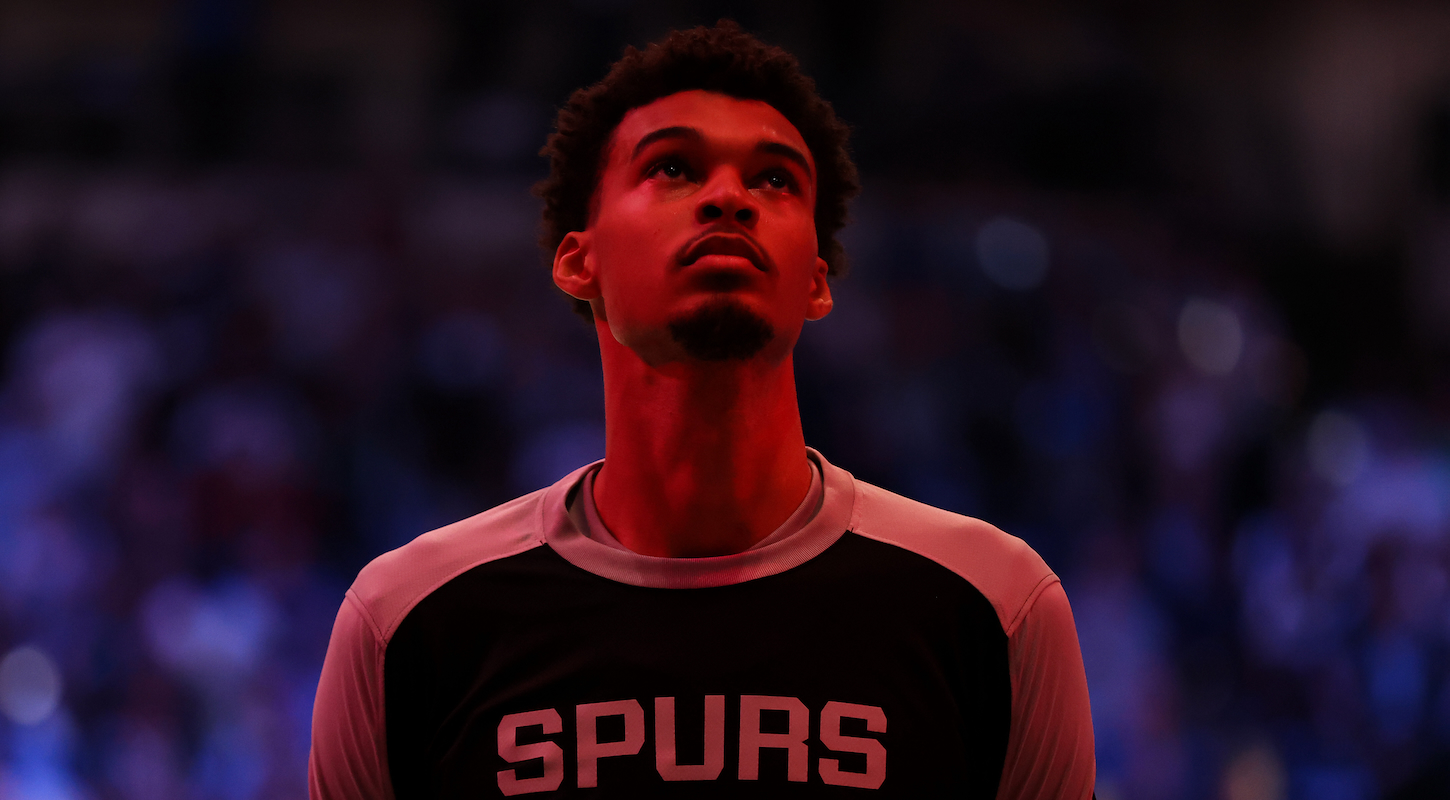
(228, 383)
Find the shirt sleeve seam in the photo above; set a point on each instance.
(1026, 608)
(367, 615)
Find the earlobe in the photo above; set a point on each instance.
(820, 303)
(574, 269)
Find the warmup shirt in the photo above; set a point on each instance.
(872, 646)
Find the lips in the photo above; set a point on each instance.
(725, 244)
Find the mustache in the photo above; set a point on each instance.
(716, 243)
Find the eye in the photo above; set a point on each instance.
(779, 180)
(670, 168)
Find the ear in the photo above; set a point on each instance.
(819, 303)
(574, 268)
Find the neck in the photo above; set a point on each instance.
(701, 459)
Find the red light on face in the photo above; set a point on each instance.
(704, 197)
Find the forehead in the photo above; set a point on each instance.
(719, 118)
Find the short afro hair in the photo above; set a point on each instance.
(723, 59)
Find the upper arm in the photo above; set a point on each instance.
(1050, 746)
(349, 740)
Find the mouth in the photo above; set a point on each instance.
(722, 249)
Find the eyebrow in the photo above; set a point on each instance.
(786, 151)
(685, 132)
(672, 132)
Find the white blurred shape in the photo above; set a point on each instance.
(213, 635)
(29, 685)
(1012, 254)
(1211, 335)
(1338, 448)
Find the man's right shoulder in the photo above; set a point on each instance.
(391, 584)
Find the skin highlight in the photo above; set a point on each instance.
(703, 199)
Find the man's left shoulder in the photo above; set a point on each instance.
(1005, 569)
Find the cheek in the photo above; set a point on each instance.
(629, 286)
(803, 243)
(634, 225)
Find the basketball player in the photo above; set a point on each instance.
(714, 609)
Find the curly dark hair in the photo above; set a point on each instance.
(723, 59)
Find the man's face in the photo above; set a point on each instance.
(703, 222)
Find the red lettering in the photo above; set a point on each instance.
(752, 741)
(874, 751)
(591, 749)
(513, 752)
(794, 742)
(714, 741)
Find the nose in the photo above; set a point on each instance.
(727, 197)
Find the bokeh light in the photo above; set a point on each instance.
(1012, 253)
(30, 685)
(1211, 336)
(1257, 773)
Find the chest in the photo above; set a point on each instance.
(856, 671)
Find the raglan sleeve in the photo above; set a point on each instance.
(1050, 747)
(349, 741)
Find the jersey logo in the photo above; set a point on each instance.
(751, 740)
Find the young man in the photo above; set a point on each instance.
(714, 609)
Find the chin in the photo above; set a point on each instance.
(722, 329)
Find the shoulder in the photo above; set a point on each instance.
(1005, 569)
(394, 582)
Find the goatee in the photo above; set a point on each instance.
(721, 330)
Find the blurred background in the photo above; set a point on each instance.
(1163, 288)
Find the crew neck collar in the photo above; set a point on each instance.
(579, 538)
